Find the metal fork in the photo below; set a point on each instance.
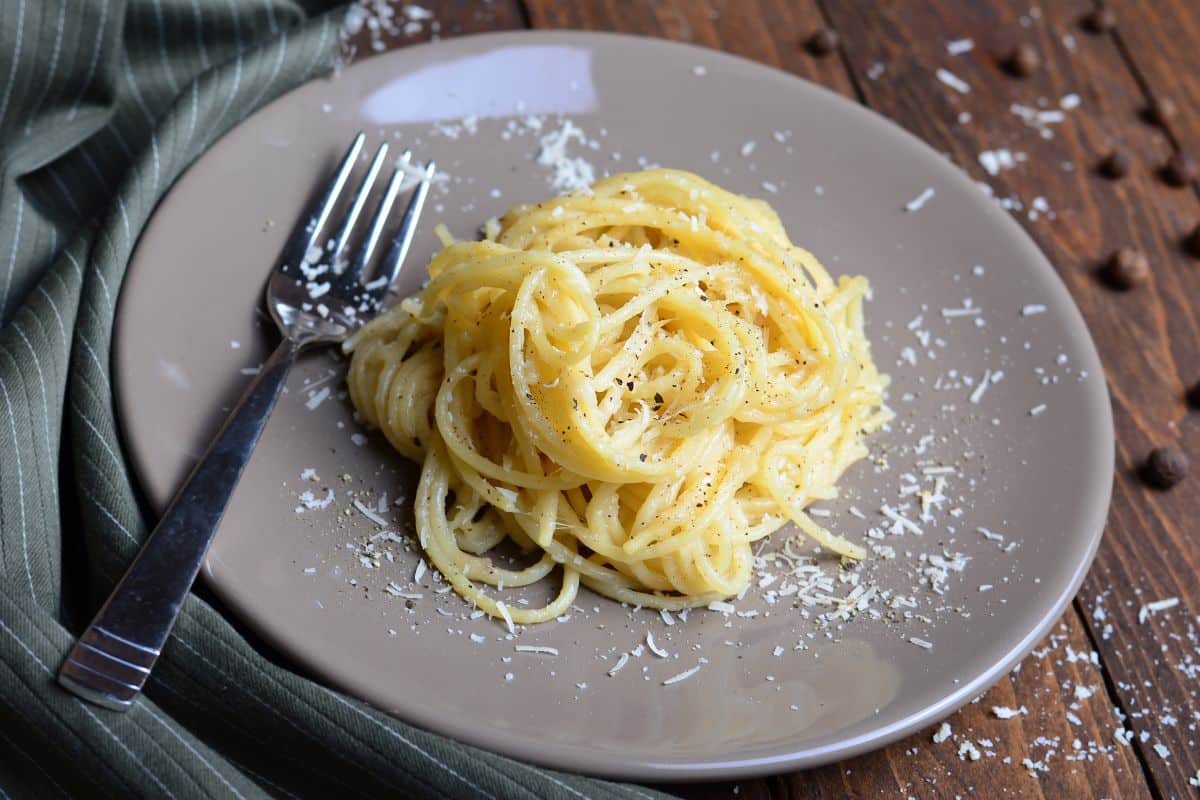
(316, 297)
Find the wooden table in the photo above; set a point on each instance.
(1103, 669)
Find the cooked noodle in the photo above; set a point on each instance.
(633, 383)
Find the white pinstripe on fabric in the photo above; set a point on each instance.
(62, 328)
(232, 651)
(204, 62)
(557, 782)
(319, 54)
(136, 91)
(128, 240)
(12, 256)
(111, 518)
(237, 74)
(217, 127)
(16, 747)
(208, 662)
(193, 751)
(12, 71)
(91, 70)
(114, 130)
(271, 24)
(75, 263)
(237, 26)
(154, 156)
(12, 426)
(95, 358)
(258, 778)
(192, 120)
(65, 190)
(99, 436)
(270, 82)
(83, 707)
(37, 363)
(636, 791)
(191, 701)
(397, 735)
(49, 81)
(87, 159)
(162, 48)
(132, 756)
(108, 298)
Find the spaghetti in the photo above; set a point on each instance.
(633, 383)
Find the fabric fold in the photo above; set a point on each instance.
(103, 106)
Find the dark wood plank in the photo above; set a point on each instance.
(1161, 39)
(1046, 686)
(772, 32)
(1149, 339)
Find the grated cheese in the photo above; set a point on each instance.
(369, 514)
(1004, 712)
(1147, 610)
(953, 81)
(956, 47)
(621, 662)
(918, 202)
(683, 676)
(536, 648)
(658, 651)
(315, 399)
(503, 609)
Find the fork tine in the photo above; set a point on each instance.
(388, 271)
(356, 207)
(363, 257)
(306, 233)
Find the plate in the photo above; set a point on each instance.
(982, 504)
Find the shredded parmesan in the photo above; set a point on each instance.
(683, 676)
(503, 609)
(1004, 712)
(658, 651)
(953, 81)
(536, 648)
(918, 202)
(1147, 610)
(621, 662)
(369, 514)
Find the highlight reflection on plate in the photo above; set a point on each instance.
(791, 685)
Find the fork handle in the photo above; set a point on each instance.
(112, 659)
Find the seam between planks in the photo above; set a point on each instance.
(1114, 697)
(843, 58)
(526, 15)
(1143, 84)
(1110, 686)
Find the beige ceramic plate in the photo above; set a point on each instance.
(960, 293)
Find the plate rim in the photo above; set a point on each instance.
(611, 765)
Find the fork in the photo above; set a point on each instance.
(316, 296)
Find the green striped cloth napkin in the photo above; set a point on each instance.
(102, 104)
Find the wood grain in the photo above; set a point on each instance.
(909, 766)
(770, 31)
(1149, 341)
(1147, 338)
(1159, 39)
(1045, 684)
